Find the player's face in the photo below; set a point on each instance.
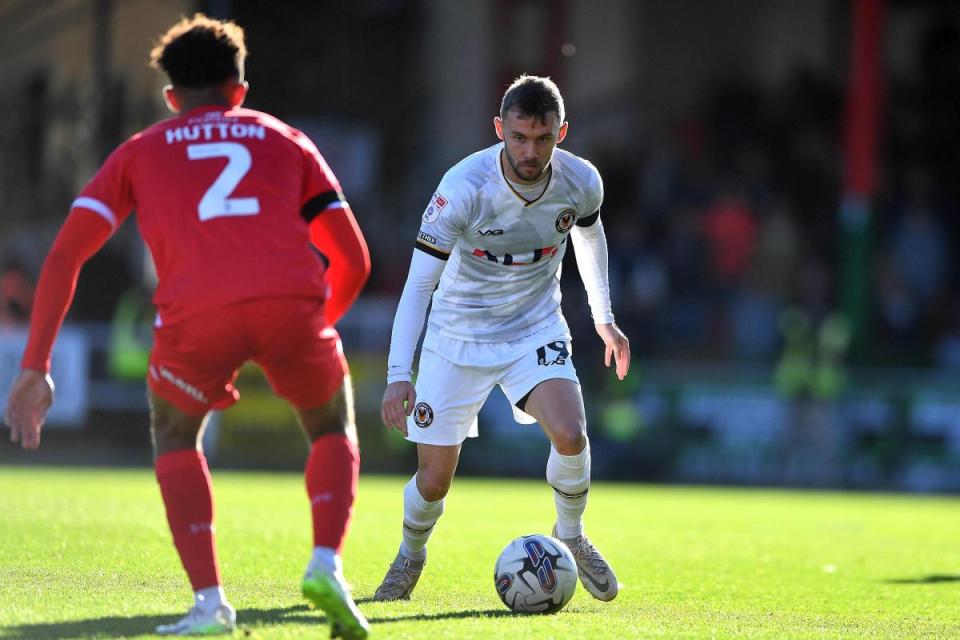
(528, 143)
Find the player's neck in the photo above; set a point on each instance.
(188, 106)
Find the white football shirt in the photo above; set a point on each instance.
(502, 279)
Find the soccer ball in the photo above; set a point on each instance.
(535, 574)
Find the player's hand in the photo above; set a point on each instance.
(392, 410)
(30, 398)
(617, 346)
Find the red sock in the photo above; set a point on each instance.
(331, 474)
(188, 496)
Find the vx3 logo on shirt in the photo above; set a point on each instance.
(509, 259)
(559, 352)
(491, 232)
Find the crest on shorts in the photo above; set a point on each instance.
(565, 220)
(422, 415)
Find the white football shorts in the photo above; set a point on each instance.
(455, 377)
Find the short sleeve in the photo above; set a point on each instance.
(109, 193)
(321, 189)
(444, 220)
(592, 199)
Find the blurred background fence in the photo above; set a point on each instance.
(781, 201)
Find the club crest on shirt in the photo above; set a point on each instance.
(565, 220)
(422, 415)
(435, 208)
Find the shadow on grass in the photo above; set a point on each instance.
(449, 615)
(931, 579)
(122, 627)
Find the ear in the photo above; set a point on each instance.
(498, 127)
(237, 93)
(171, 99)
(562, 133)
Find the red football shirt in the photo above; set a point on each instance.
(223, 199)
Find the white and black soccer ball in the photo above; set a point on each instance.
(535, 574)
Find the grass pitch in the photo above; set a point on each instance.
(86, 554)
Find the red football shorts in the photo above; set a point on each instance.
(194, 362)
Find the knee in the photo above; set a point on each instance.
(432, 486)
(171, 429)
(570, 439)
(170, 436)
(336, 416)
(320, 426)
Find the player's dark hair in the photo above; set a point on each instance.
(200, 52)
(533, 96)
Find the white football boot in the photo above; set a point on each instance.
(595, 574)
(213, 621)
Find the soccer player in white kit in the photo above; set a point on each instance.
(493, 236)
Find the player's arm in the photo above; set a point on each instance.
(443, 222)
(101, 207)
(335, 233)
(426, 267)
(590, 246)
(31, 395)
(333, 230)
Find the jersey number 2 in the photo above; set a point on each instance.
(216, 202)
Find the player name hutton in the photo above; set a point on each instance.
(215, 131)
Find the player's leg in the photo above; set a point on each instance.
(557, 404)
(192, 368)
(331, 472)
(558, 408)
(307, 368)
(331, 476)
(449, 396)
(185, 486)
(423, 496)
(423, 501)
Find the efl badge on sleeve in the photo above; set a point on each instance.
(437, 203)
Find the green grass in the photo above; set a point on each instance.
(86, 553)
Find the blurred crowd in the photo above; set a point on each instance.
(724, 221)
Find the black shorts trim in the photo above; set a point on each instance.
(522, 402)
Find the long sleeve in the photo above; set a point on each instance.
(425, 272)
(337, 235)
(590, 246)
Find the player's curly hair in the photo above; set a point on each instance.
(533, 96)
(200, 52)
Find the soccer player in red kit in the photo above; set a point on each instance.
(233, 205)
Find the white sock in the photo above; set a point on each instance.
(209, 598)
(326, 559)
(570, 478)
(419, 516)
